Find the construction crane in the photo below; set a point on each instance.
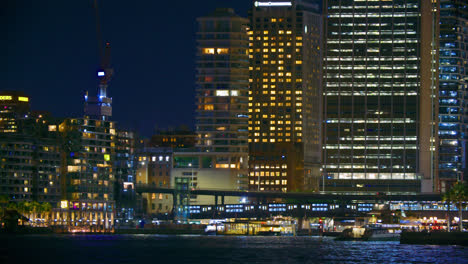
(100, 106)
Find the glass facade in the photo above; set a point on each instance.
(222, 82)
(222, 93)
(374, 92)
(453, 90)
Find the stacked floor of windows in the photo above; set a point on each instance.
(453, 116)
(284, 101)
(222, 83)
(372, 80)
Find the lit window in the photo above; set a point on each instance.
(222, 51)
(208, 107)
(222, 93)
(208, 51)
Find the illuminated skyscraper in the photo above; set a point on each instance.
(222, 82)
(285, 109)
(381, 92)
(222, 95)
(14, 108)
(453, 130)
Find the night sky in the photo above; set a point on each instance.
(50, 52)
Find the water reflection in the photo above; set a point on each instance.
(216, 249)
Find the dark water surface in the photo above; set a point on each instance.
(215, 249)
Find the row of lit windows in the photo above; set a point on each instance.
(366, 93)
(371, 24)
(298, 128)
(368, 14)
(367, 157)
(271, 182)
(367, 58)
(368, 146)
(264, 140)
(265, 80)
(267, 173)
(272, 134)
(374, 176)
(266, 38)
(380, 138)
(371, 76)
(258, 110)
(279, 62)
(215, 51)
(374, 6)
(372, 121)
(370, 67)
(370, 41)
(266, 32)
(330, 83)
(276, 166)
(375, 49)
(365, 166)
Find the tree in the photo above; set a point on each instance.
(3, 203)
(12, 206)
(46, 208)
(458, 194)
(34, 208)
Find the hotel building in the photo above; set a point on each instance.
(285, 108)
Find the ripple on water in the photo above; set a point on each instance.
(216, 249)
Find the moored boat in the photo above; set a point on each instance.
(371, 233)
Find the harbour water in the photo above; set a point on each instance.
(215, 249)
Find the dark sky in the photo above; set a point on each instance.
(51, 54)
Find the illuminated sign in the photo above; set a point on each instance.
(101, 73)
(64, 204)
(273, 4)
(106, 157)
(23, 99)
(5, 97)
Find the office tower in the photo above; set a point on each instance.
(381, 92)
(285, 109)
(453, 127)
(222, 96)
(14, 107)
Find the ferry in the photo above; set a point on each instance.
(372, 233)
